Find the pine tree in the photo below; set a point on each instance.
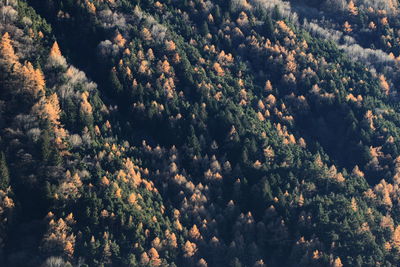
(4, 173)
(268, 27)
(115, 84)
(193, 142)
(45, 145)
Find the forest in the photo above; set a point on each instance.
(199, 133)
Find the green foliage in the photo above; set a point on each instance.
(4, 173)
(239, 139)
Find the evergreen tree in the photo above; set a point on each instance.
(4, 173)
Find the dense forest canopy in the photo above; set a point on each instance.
(199, 133)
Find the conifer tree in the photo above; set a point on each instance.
(4, 173)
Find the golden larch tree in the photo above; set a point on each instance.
(347, 27)
(337, 263)
(396, 237)
(55, 50)
(144, 259)
(352, 8)
(372, 25)
(194, 232)
(48, 108)
(120, 40)
(170, 45)
(218, 69)
(69, 249)
(7, 52)
(164, 66)
(189, 249)
(33, 80)
(357, 172)
(132, 198)
(91, 7)
(146, 34)
(86, 108)
(154, 258)
(268, 86)
(384, 84)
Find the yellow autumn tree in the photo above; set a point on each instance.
(347, 27)
(69, 249)
(372, 25)
(271, 99)
(144, 259)
(33, 80)
(48, 108)
(59, 238)
(384, 84)
(154, 258)
(194, 232)
(189, 249)
(352, 8)
(243, 19)
(120, 40)
(86, 108)
(291, 65)
(104, 181)
(268, 86)
(218, 69)
(55, 50)
(171, 239)
(164, 67)
(150, 54)
(357, 172)
(90, 6)
(132, 198)
(337, 263)
(396, 237)
(146, 34)
(7, 53)
(144, 67)
(56, 59)
(170, 45)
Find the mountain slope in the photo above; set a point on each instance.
(210, 133)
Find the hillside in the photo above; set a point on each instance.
(199, 133)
